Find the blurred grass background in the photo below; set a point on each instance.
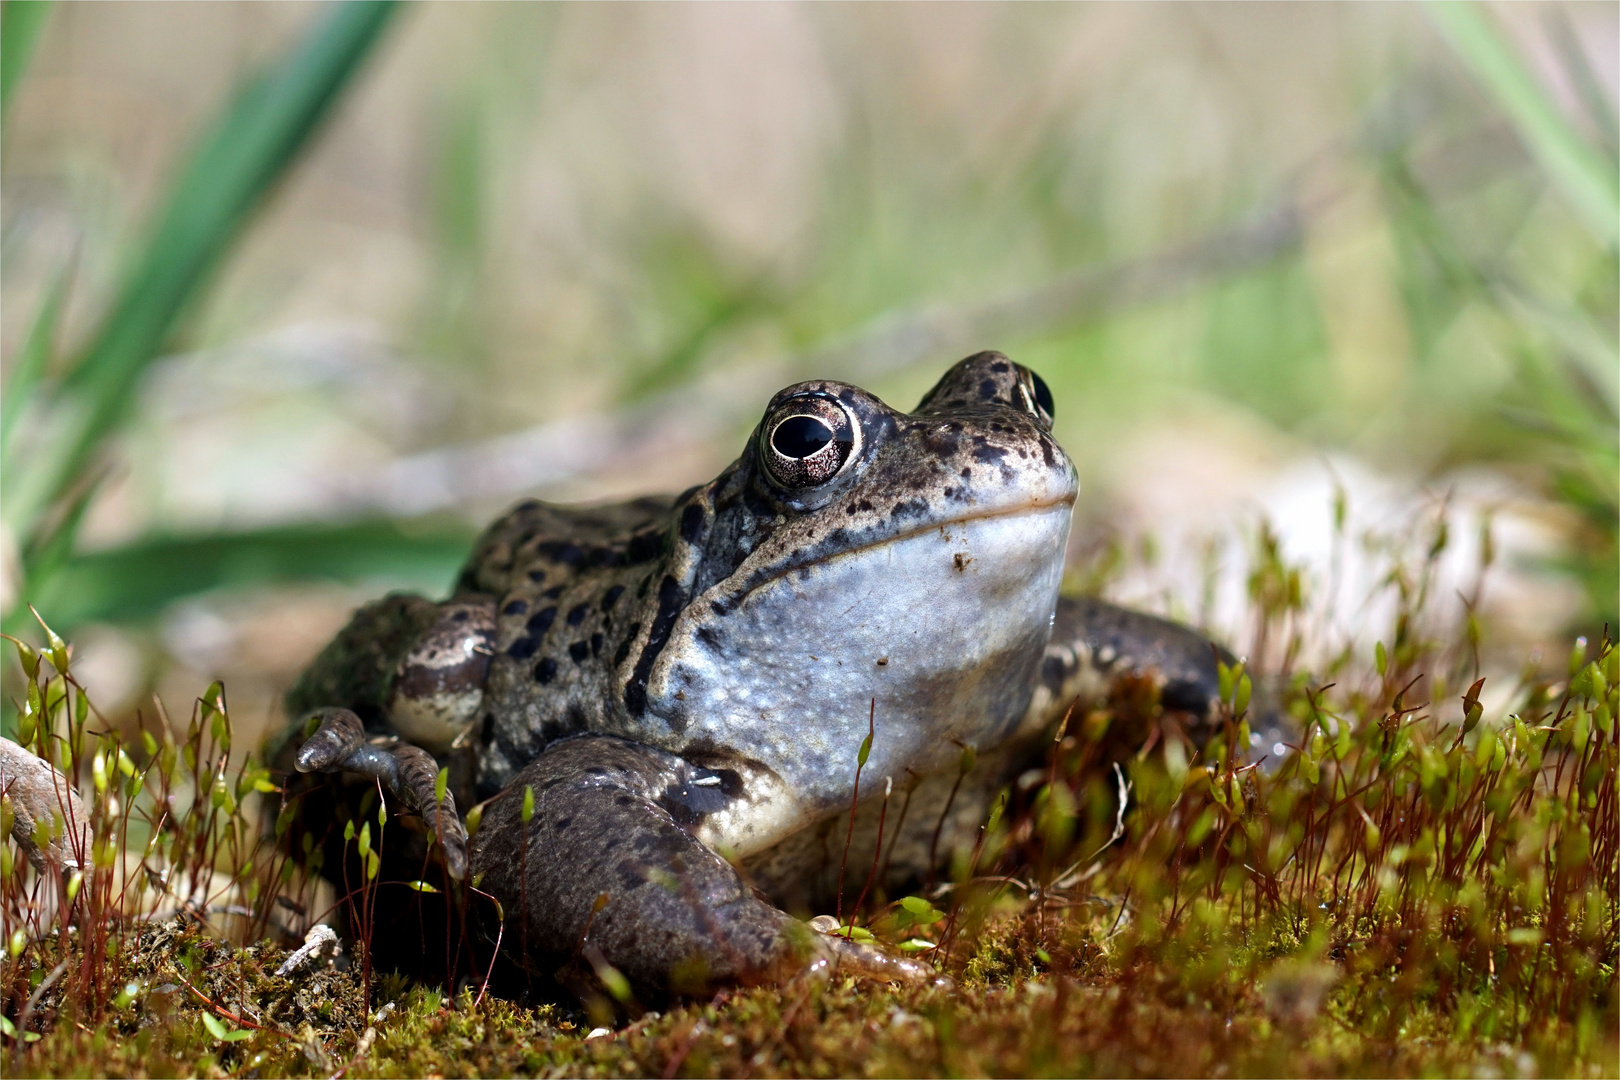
(293, 297)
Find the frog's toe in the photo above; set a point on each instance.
(835, 954)
(338, 733)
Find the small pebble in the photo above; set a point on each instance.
(320, 939)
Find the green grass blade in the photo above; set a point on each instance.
(1588, 180)
(136, 582)
(1594, 98)
(20, 23)
(232, 169)
(33, 359)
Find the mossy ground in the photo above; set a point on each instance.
(1423, 890)
(1272, 1012)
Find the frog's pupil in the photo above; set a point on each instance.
(800, 436)
(1043, 394)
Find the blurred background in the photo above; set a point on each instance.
(293, 298)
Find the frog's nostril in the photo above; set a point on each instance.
(800, 436)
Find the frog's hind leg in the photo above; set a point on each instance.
(604, 870)
(1095, 644)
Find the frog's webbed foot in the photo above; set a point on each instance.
(605, 868)
(1095, 643)
(339, 744)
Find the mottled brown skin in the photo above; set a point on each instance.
(593, 657)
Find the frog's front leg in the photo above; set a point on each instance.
(404, 678)
(407, 772)
(1095, 642)
(407, 666)
(605, 869)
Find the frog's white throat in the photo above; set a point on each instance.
(934, 638)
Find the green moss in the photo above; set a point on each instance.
(1401, 898)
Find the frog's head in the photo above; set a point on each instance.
(860, 563)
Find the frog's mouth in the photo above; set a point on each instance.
(1033, 510)
(1041, 510)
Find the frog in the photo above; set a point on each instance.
(682, 717)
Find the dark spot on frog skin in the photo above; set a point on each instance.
(689, 802)
(942, 440)
(460, 616)
(577, 614)
(730, 783)
(631, 876)
(512, 749)
(537, 576)
(1053, 672)
(523, 648)
(985, 453)
(596, 644)
(624, 647)
(961, 561)
(1046, 453)
(541, 621)
(967, 474)
(1000, 367)
(757, 505)
(562, 823)
(564, 551)
(669, 606)
(578, 651)
(643, 547)
(987, 390)
(516, 607)
(692, 519)
(553, 592)
(545, 671)
(612, 597)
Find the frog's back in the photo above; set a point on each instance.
(538, 545)
(566, 582)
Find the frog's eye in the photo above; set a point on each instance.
(807, 441)
(1037, 395)
(1043, 395)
